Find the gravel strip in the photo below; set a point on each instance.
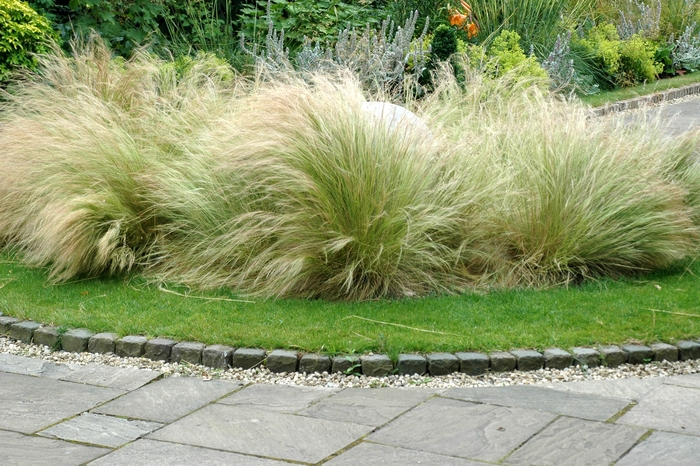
(262, 375)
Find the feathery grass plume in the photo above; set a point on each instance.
(309, 196)
(582, 197)
(75, 140)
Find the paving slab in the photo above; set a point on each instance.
(581, 405)
(372, 407)
(572, 442)
(263, 433)
(31, 366)
(467, 430)
(374, 454)
(32, 403)
(21, 450)
(669, 408)
(281, 398)
(628, 389)
(101, 430)
(168, 399)
(664, 448)
(690, 380)
(153, 453)
(123, 378)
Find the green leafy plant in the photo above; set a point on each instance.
(318, 21)
(637, 61)
(505, 54)
(23, 33)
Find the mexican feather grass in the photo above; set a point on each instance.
(286, 188)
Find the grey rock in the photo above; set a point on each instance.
(23, 331)
(638, 354)
(217, 356)
(468, 430)
(159, 349)
(409, 364)
(376, 365)
(346, 364)
(131, 346)
(666, 449)
(187, 351)
(612, 356)
(528, 360)
(20, 449)
(153, 453)
(374, 454)
(279, 361)
(101, 430)
(442, 363)
(473, 363)
(664, 352)
(247, 358)
(502, 361)
(262, 433)
(669, 408)
(688, 350)
(168, 399)
(103, 343)
(581, 405)
(585, 356)
(5, 323)
(76, 340)
(557, 358)
(48, 336)
(314, 363)
(572, 442)
(372, 407)
(282, 398)
(32, 403)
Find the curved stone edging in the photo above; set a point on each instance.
(641, 101)
(378, 365)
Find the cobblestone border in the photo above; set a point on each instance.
(638, 102)
(378, 365)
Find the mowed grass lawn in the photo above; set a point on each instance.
(605, 312)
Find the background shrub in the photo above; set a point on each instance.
(23, 33)
(320, 21)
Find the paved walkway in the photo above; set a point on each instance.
(102, 415)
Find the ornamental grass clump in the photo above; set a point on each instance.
(76, 143)
(309, 196)
(582, 198)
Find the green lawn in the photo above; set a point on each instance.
(606, 312)
(606, 97)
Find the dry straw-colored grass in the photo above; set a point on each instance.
(286, 187)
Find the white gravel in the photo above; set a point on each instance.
(262, 375)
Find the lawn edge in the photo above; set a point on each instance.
(377, 365)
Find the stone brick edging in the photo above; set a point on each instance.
(378, 365)
(641, 101)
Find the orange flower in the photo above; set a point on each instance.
(472, 30)
(457, 19)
